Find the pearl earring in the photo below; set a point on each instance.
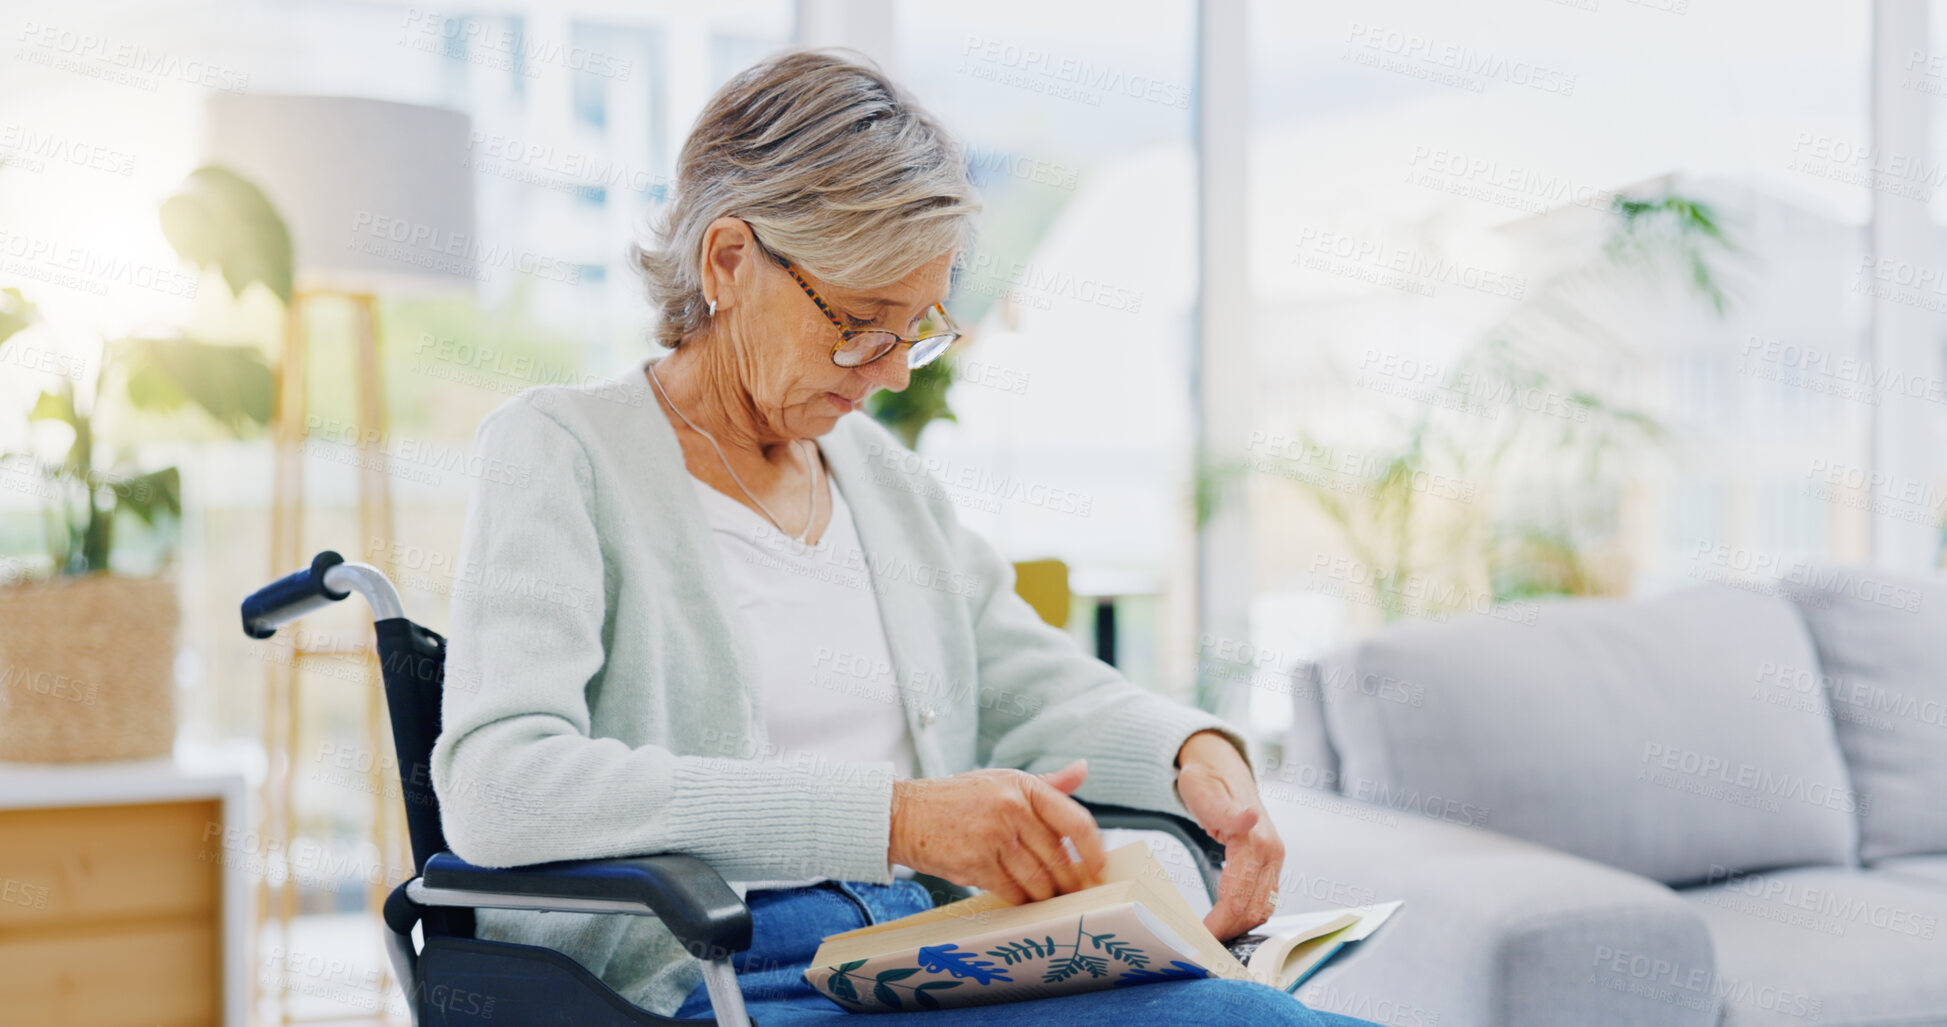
(713, 308)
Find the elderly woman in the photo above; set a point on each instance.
(716, 610)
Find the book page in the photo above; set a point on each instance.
(1168, 906)
(1120, 865)
(970, 906)
(1265, 946)
(1172, 856)
(1372, 918)
(1308, 955)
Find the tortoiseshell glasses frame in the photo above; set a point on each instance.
(857, 347)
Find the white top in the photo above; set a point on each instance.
(830, 695)
(605, 521)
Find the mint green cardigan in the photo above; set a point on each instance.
(600, 700)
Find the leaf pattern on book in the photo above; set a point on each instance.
(1062, 969)
(1177, 970)
(927, 1001)
(885, 994)
(951, 958)
(1122, 950)
(1027, 948)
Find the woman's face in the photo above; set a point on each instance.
(782, 343)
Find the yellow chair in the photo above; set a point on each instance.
(1044, 584)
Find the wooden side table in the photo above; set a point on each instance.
(122, 895)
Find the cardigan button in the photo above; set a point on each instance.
(927, 716)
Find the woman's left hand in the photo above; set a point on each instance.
(1217, 788)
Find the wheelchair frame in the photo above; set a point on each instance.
(447, 977)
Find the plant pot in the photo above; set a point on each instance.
(87, 669)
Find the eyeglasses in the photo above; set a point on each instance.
(858, 347)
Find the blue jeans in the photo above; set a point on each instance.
(788, 923)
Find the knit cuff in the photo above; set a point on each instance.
(758, 820)
(1134, 753)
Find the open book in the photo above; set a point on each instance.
(1133, 929)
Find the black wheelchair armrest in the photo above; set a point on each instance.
(1206, 852)
(690, 897)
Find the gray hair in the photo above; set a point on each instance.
(837, 167)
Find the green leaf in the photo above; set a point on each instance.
(54, 407)
(15, 313)
(1061, 970)
(1128, 952)
(923, 400)
(149, 495)
(59, 406)
(233, 384)
(218, 217)
(927, 1001)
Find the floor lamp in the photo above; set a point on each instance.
(337, 169)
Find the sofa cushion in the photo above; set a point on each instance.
(1929, 871)
(1308, 759)
(1496, 932)
(1833, 946)
(1653, 735)
(1882, 646)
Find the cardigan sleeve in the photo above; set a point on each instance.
(1045, 702)
(521, 777)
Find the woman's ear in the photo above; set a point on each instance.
(729, 252)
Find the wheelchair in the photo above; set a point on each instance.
(533, 986)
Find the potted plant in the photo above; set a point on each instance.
(922, 402)
(1540, 491)
(87, 651)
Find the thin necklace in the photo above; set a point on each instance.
(811, 468)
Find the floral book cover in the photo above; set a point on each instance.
(977, 952)
(1105, 948)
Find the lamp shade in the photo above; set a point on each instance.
(378, 195)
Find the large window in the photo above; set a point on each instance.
(1550, 298)
(1072, 399)
(1545, 297)
(576, 114)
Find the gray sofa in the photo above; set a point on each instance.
(1723, 805)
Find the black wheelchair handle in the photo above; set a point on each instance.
(1206, 853)
(291, 597)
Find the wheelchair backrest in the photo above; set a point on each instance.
(412, 660)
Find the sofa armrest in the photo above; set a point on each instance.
(1496, 932)
(690, 897)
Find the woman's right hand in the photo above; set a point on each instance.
(999, 830)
